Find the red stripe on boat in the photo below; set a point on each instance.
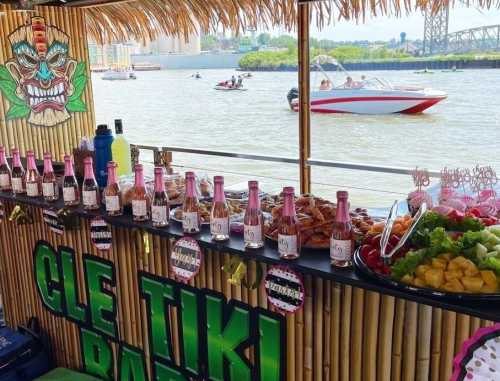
(372, 99)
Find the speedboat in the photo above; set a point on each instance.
(116, 75)
(370, 96)
(226, 86)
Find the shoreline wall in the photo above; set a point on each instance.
(398, 65)
(186, 61)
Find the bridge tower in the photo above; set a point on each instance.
(436, 31)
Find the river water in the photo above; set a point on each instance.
(171, 108)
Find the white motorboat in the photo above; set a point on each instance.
(369, 96)
(118, 75)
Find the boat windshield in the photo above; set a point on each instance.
(376, 83)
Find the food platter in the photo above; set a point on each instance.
(236, 210)
(423, 291)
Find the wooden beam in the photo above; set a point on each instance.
(304, 97)
(94, 3)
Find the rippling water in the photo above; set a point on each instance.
(170, 108)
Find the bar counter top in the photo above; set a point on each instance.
(314, 262)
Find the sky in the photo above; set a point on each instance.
(384, 28)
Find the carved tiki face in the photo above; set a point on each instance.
(43, 71)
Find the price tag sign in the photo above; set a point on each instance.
(52, 221)
(186, 258)
(284, 288)
(100, 234)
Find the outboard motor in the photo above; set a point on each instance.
(292, 94)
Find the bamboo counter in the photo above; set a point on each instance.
(349, 328)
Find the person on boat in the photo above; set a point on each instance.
(324, 85)
(349, 83)
(233, 81)
(240, 81)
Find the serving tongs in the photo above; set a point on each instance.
(386, 258)
(386, 233)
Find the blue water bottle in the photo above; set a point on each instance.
(102, 146)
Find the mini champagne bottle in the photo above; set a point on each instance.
(190, 207)
(342, 239)
(5, 172)
(33, 179)
(288, 231)
(112, 193)
(141, 201)
(159, 205)
(253, 226)
(50, 189)
(219, 216)
(90, 189)
(18, 174)
(71, 191)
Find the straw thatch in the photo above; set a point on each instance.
(146, 19)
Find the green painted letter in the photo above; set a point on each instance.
(190, 340)
(164, 373)
(157, 294)
(47, 277)
(73, 310)
(132, 366)
(100, 301)
(269, 348)
(97, 355)
(222, 341)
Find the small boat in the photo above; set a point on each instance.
(196, 76)
(369, 96)
(116, 75)
(229, 88)
(425, 71)
(247, 75)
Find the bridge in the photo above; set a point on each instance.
(437, 40)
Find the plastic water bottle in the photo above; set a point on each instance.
(102, 146)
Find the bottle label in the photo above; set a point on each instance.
(287, 244)
(69, 194)
(219, 226)
(159, 213)
(90, 198)
(190, 221)
(32, 189)
(252, 233)
(17, 184)
(48, 189)
(112, 203)
(139, 208)
(340, 250)
(4, 180)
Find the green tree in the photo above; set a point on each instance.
(264, 39)
(283, 41)
(208, 42)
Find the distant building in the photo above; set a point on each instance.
(173, 45)
(114, 55)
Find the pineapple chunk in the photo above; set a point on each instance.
(453, 286)
(421, 270)
(419, 282)
(470, 269)
(457, 262)
(445, 257)
(452, 274)
(438, 263)
(434, 277)
(472, 284)
(489, 278)
(486, 289)
(407, 279)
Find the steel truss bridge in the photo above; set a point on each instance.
(437, 40)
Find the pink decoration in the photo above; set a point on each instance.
(455, 203)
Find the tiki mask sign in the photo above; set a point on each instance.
(42, 83)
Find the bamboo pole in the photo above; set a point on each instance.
(369, 353)
(386, 323)
(448, 344)
(424, 342)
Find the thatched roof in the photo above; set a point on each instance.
(146, 19)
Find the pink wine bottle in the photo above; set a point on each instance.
(50, 189)
(159, 204)
(5, 172)
(288, 231)
(33, 179)
(219, 216)
(190, 207)
(342, 240)
(71, 191)
(253, 231)
(90, 189)
(112, 193)
(18, 173)
(141, 202)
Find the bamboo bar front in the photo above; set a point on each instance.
(342, 333)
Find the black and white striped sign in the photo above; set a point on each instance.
(100, 234)
(284, 288)
(186, 258)
(52, 221)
